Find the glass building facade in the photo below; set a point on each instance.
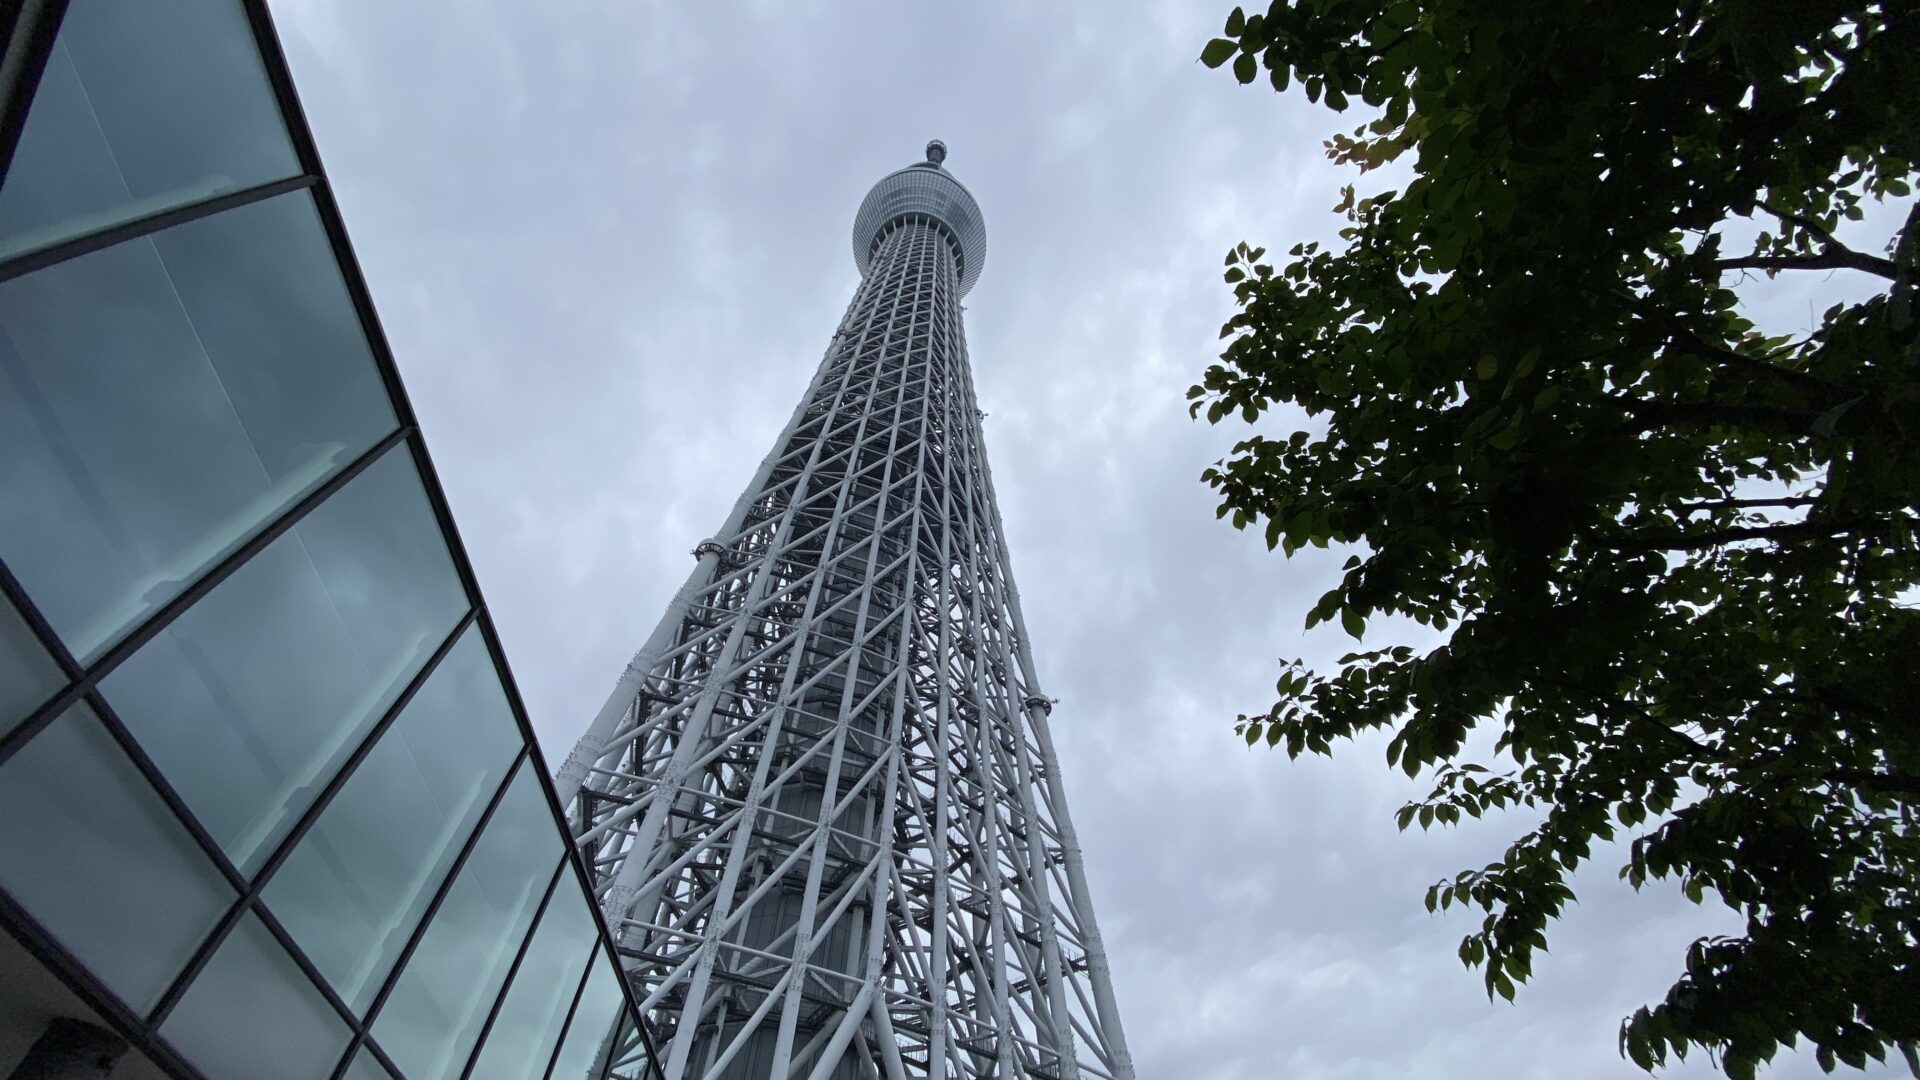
(269, 802)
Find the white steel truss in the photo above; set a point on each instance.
(823, 807)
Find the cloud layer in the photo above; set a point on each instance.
(608, 242)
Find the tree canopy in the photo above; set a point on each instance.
(1676, 556)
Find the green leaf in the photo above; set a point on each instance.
(1217, 52)
(1828, 422)
(1663, 559)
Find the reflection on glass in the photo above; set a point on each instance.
(251, 1013)
(28, 676)
(366, 1067)
(143, 107)
(252, 698)
(89, 850)
(591, 1038)
(430, 1021)
(164, 398)
(629, 1059)
(356, 886)
(523, 1034)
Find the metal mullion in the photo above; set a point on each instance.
(30, 30)
(311, 815)
(432, 909)
(579, 991)
(249, 893)
(146, 225)
(147, 630)
(246, 892)
(267, 39)
(313, 177)
(208, 845)
(70, 668)
(372, 1046)
(80, 980)
(513, 971)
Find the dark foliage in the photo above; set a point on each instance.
(1677, 557)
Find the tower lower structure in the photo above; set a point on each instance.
(822, 805)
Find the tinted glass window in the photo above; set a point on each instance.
(590, 1034)
(162, 399)
(28, 676)
(366, 1067)
(535, 1009)
(143, 107)
(360, 879)
(88, 848)
(253, 698)
(430, 1022)
(251, 1013)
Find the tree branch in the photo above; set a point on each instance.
(1833, 255)
(1648, 415)
(1842, 259)
(1697, 541)
(1753, 365)
(1800, 220)
(1876, 781)
(1737, 504)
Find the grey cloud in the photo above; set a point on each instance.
(609, 241)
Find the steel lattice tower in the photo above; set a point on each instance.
(822, 805)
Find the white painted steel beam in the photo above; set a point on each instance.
(822, 803)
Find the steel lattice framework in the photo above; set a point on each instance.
(822, 805)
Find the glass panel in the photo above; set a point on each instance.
(28, 674)
(430, 1021)
(591, 1035)
(92, 853)
(162, 399)
(252, 1013)
(143, 107)
(354, 889)
(252, 698)
(629, 1059)
(522, 1037)
(366, 1067)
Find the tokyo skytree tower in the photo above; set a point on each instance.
(822, 805)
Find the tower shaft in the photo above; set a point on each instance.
(823, 806)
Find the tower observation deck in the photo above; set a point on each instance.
(822, 804)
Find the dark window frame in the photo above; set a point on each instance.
(30, 29)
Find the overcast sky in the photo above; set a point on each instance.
(609, 241)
